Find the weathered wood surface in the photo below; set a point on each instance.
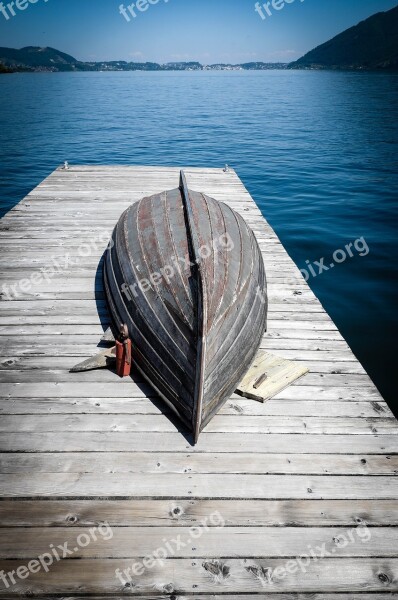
(316, 462)
(268, 375)
(184, 275)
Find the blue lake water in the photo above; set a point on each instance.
(317, 150)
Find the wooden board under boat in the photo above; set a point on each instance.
(185, 273)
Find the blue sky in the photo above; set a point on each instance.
(180, 30)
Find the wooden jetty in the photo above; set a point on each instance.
(310, 473)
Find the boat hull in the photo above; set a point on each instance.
(185, 273)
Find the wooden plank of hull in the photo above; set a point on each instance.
(186, 274)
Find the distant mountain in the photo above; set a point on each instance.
(372, 44)
(33, 58)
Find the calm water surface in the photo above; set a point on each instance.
(317, 150)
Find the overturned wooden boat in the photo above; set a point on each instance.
(185, 281)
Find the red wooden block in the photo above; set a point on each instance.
(123, 358)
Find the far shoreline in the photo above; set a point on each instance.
(206, 71)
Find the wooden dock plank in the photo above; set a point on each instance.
(172, 462)
(186, 576)
(220, 424)
(256, 443)
(151, 405)
(173, 513)
(192, 485)
(318, 461)
(219, 541)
